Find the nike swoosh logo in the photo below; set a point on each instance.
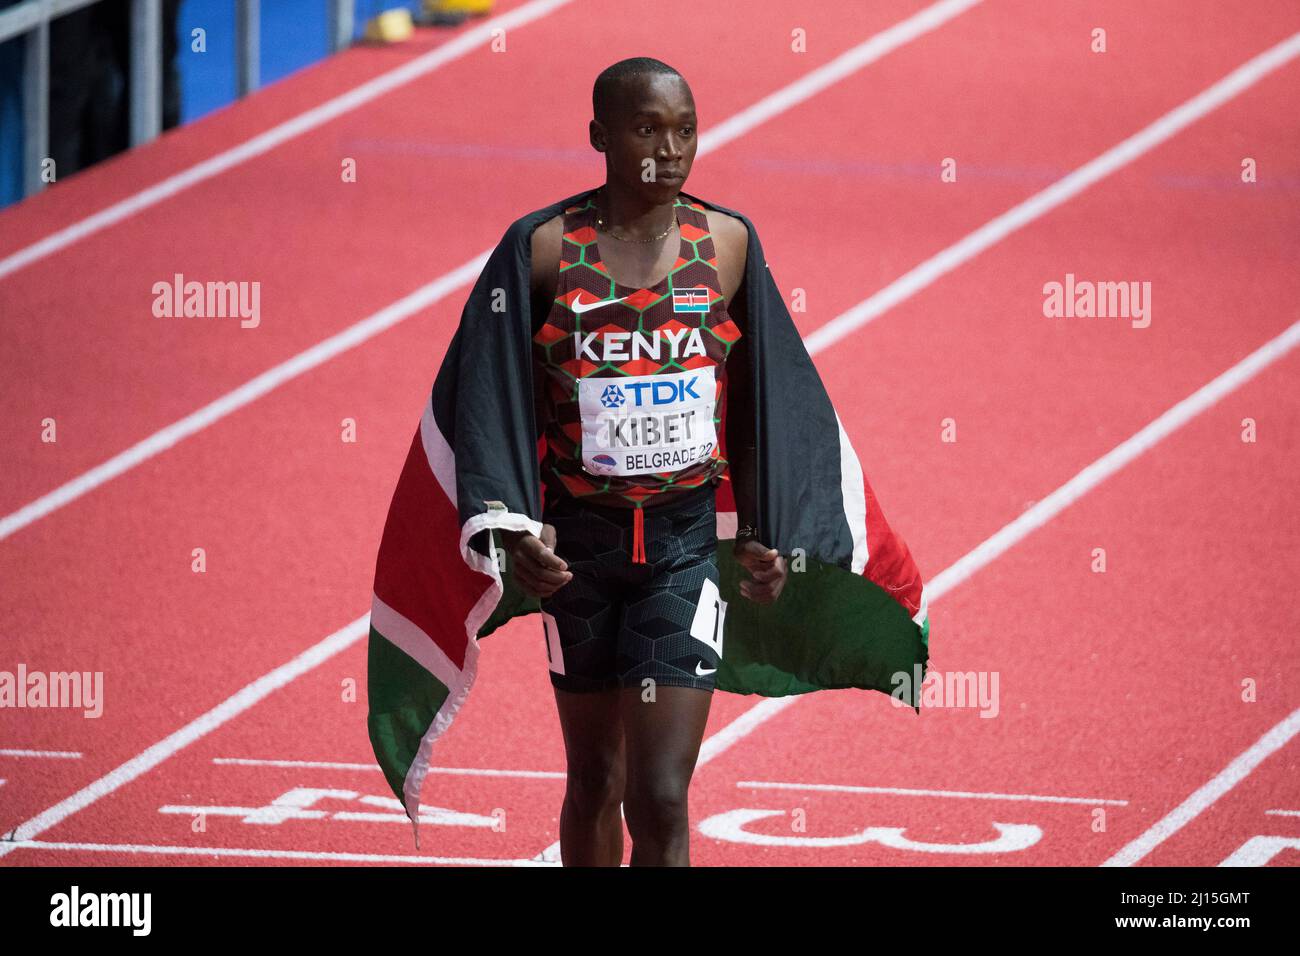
(581, 307)
(706, 672)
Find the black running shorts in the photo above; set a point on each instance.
(617, 622)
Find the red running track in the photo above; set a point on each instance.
(1119, 693)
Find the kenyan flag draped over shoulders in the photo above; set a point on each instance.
(852, 613)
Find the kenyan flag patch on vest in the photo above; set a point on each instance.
(691, 300)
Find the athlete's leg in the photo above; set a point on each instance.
(668, 654)
(663, 731)
(591, 819)
(581, 622)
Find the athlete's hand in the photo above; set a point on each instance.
(536, 567)
(766, 567)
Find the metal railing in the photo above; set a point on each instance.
(31, 20)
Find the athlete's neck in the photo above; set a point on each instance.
(631, 216)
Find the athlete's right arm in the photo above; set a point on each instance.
(532, 560)
(547, 244)
(544, 265)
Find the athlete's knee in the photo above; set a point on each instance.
(658, 801)
(595, 783)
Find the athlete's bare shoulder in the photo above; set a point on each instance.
(547, 246)
(730, 245)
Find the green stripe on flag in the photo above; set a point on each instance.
(404, 697)
(830, 628)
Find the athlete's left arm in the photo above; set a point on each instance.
(741, 446)
(731, 246)
(766, 567)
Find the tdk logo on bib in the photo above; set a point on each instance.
(657, 392)
(647, 424)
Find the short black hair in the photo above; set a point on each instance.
(606, 93)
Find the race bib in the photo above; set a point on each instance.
(639, 425)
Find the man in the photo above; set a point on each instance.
(632, 731)
(620, 326)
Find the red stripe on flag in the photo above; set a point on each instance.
(889, 561)
(417, 574)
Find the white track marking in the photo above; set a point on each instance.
(317, 116)
(1260, 850)
(1115, 459)
(439, 288)
(245, 394)
(1205, 796)
(196, 729)
(1283, 813)
(1061, 191)
(211, 811)
(308, 764)
(742, 727)
(846, 64)
(910, 792)
(54, 754)
(216, 851)
(374, 767)
(711, 748)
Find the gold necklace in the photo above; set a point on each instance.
(600, 224)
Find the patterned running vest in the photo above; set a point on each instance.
(634, 379)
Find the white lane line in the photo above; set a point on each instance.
(1058, 193)
(1260, 850)
(374, 767)
(1206, 795)
(53, 754)
(846, 64)
(218, 851)
(196, 729)
(439, 288)
(308, 764)
(910, 792)
(1115, 459)
(317, 116)
(245, 394)
(1283, 813)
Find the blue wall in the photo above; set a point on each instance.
(294, 35)
(11, 118)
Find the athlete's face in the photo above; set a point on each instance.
(649, 142)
